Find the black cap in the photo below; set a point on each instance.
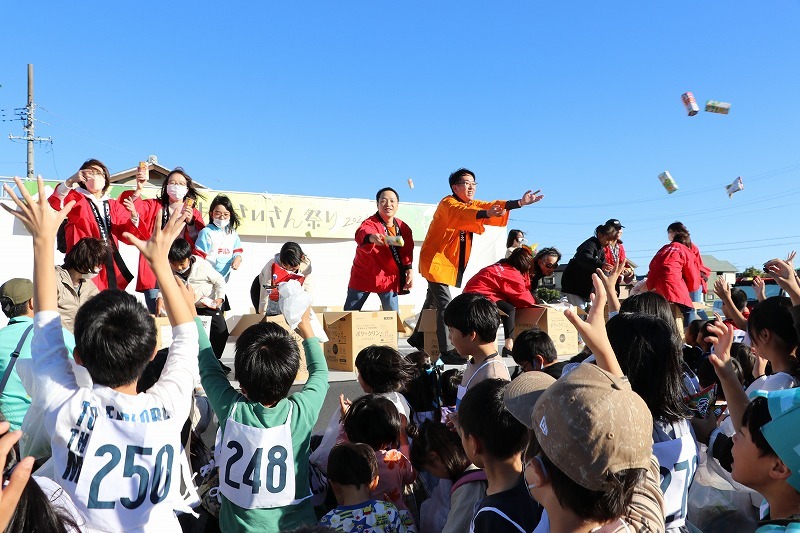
(614, 222)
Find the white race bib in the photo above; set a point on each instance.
(128, 469)
(678, 462)
(256, 465)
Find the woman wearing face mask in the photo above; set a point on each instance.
(218, 242)
(96, 215)
(81, 264)
(516, 238)
(176, 189)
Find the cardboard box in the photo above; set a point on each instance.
(552, 321)
(248, 320)
(427, 325)
(351, 331)
(164, 330)
(406, 312)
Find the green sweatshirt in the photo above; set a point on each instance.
(307, 404)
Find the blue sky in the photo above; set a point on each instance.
(579, 99)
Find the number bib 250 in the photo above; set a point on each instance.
(256, 465)
(127, 470)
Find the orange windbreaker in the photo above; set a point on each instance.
(443, 257)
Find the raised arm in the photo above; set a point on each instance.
(722, 339)
(723, 292)
(42, 221)
(593, 330)
(610, 283)
(155, 250)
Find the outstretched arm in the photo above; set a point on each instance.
(722, 339)
(723, 292)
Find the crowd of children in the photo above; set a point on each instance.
(631, 438)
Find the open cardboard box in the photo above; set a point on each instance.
(351, 331)
(164, 330)
(554, 323)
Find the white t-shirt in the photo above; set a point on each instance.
(71, 413)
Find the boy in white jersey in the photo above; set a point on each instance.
(115, 452)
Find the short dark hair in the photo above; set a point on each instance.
(352, 463)
(12, 310)
(653, 304)
(449, 382)
(651, 356)
(115, 337)
(373, 420)
(378, 194)
(291, 254)
(533, 342)
(456, 176)
(521, 259)
(436, 437)
(512, 237)
(383, 368)
(470, 312)
(225, 202)
(266, 362)
(87, 254)
(180, 250)
(590, 505)
(773, 314)
(89, 163)
(483, 415)
(191, 188)
(755, 417)
(739, 298)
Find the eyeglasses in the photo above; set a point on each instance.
(468, 184)
(551, 265)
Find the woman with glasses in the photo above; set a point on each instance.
(447, 246)
(98, 216)
(176, 189)
(508, 284)
(384, 253)
(545, 263)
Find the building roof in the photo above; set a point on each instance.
(157, 174)
(716, 265)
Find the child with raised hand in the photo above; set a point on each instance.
(263, 441)
(766, 440)
(438, 450)
(472, 321)
(374, 420)
(117, 453)
(631, 494)
(353, 474)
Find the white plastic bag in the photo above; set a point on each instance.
(293, 302)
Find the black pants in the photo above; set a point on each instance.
(218, 331)
(508, 319)
(437, 297)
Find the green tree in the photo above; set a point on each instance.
(751, 272)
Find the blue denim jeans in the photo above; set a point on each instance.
(694, 314)
(150, 299)
(355, 300)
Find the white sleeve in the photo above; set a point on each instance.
(218, 282)
(180, 373)
(51, 360)
(61, 192)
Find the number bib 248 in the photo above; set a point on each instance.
(256, 465)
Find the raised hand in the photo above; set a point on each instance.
(784, 275)
(158, 245)
(41, 220)
(760, 288)
(530, 197)
(11, 492)
(593, 330)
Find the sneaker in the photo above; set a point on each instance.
(452, 357)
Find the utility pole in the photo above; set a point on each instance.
(28, 116)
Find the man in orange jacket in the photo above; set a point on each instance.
(448, 243)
